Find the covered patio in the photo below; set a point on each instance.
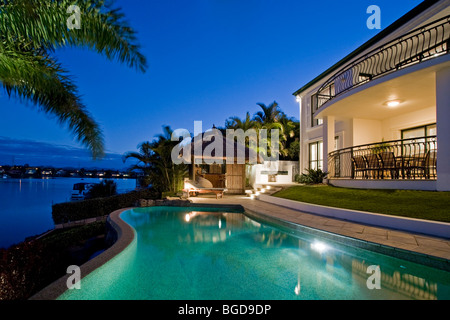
(388, 130)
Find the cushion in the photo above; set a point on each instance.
(203, 183)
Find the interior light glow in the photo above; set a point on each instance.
(393, 103)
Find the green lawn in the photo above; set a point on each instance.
(414, 204)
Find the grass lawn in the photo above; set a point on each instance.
(427, 205)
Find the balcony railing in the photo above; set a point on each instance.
(427, 42)
(409, 159)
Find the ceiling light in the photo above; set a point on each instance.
(393, 103)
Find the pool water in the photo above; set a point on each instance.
(205, 253)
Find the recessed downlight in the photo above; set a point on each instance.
(393, 103)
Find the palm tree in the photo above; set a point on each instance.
(269, 118)
(237, 123)
(290, 137)
(32, 30)
(155, 162)
(143, 163)
(269, 114)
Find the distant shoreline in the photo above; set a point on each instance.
(27, 171)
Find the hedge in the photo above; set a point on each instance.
(30, 266)
(74, 211)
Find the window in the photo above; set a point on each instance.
(421, 137)
(316, 155)
(314, 107)
(419, 132)
(337, 143)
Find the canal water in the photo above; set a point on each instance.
(26, 204)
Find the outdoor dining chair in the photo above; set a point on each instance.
(389, 164)
(373, 165)
(360, 166)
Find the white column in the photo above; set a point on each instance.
(303, 118)
(443, 129)
(328, 139)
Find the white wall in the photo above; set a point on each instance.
(366, 131)
(391, 128)
(443, 129)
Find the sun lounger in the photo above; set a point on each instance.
(192, 187)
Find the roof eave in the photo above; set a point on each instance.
(382, 34)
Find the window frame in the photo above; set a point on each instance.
(318, 160)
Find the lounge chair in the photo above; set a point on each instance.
(194, 188)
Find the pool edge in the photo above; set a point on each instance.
(408, 255)
(125, 236)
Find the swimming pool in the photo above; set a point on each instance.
(192, 253)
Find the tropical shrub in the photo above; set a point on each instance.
(74, 211)
(154, 163)
(312, 176)
(30, 266)
(106, 188)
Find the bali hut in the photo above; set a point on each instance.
(221, 160)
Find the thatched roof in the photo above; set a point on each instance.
(206, 147)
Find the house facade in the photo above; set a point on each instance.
(375, 119)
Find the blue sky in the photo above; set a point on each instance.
(208, 60)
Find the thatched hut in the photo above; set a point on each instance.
(221, 160)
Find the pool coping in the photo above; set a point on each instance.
(404, 254)
(419, 226)
(125, 235)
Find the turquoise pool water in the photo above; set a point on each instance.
(202, 253)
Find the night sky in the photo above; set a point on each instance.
(208, 60)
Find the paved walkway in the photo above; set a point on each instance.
(425, 245)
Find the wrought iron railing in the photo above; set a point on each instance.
(398, 159)
(424, 43)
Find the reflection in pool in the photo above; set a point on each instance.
(205, 253)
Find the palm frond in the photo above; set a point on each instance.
(30, 30)
(103, 28)
(41, 80)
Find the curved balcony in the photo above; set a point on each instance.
(407, 159)
(422, 44)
